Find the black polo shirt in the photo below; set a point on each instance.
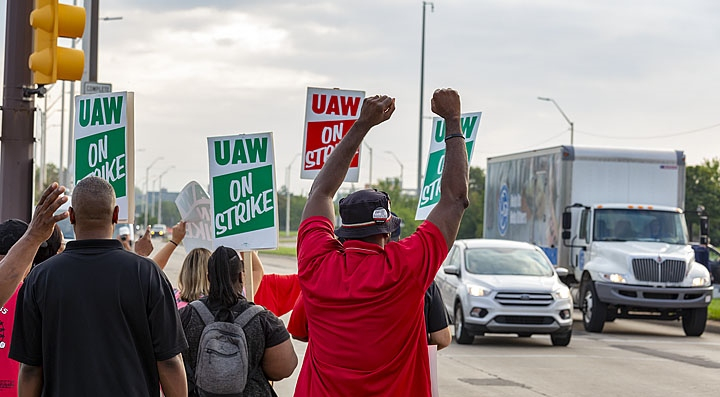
(97, 319)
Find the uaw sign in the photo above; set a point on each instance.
(329, 114)
(242, 185)
(104, 145)
(196, 210)
(430, 193)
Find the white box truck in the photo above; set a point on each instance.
(612, 217)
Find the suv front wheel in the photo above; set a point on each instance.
(462, 335)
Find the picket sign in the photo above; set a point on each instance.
(329, 114)
(243, 194)
(430, 192)
(105, 145)
(193, 203)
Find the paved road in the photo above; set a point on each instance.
(631, 358)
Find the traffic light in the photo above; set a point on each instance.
(49, 62)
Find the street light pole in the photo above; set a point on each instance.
(422, 77)
(147, 182)
(371, 167)
(287, 195)
(572, 125)
(400, 164)
(159, 217)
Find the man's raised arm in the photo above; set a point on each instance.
(454, 186)
(375, 110)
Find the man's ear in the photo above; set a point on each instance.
(71, 211)
(116, 213)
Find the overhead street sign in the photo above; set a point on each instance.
(92, 87)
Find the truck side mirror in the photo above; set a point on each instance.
(566, 235)
(567, 221)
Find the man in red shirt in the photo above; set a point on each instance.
(364, 297)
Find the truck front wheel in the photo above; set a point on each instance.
(594, 311)
(694, 320)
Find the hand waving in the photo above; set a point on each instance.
(44, 218)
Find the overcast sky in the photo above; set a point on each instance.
(627, 73)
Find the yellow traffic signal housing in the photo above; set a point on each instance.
(49, 62)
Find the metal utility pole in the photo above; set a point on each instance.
(370, 180)
(16, 142)
(422, 77)
(147, 183)
(90, 40)
(572, 125)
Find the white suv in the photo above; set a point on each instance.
(500, 286)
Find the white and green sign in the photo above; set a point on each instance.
(430, 193)
(104, 144)
(242, 187)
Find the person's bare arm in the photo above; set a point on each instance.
(30, 381)
(375, 110)
(163, 256)
(144, 245)
(19, 258)
(454, 185)
(172, 377)
(257, 271)
(279, 361)
(441, 338)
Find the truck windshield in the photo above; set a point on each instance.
(639, 225)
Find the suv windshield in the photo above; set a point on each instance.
(507, 261)
(639, 225)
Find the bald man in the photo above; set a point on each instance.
(97, 319)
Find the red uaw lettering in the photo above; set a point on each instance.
(337, 105)
(350, 104)
(333, 106)
(318, 103)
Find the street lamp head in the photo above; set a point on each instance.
(544, 99)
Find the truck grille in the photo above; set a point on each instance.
(523, 298)
(667, 271)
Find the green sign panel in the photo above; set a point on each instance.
(430, 192)
(104, 156)
(244, 201)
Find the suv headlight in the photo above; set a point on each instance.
(476, 290)
(562, 293)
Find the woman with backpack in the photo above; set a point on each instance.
(235, 346)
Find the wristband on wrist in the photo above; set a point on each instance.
(176, 244)
(454, 136)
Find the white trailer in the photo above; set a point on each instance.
(612, 217)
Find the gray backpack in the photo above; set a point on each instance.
(222, 359)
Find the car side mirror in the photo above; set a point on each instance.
(452, 270)
(561, 272)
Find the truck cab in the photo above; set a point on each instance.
(634, 261)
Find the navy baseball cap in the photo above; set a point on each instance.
(366, 213)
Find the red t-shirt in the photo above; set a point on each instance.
(9, 368)
(278, 292)
(364, 307)
(297, 325)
